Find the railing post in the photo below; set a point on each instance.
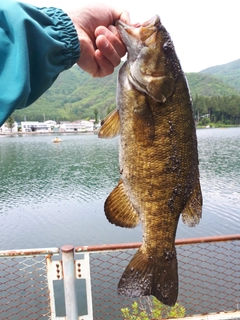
(69, 282)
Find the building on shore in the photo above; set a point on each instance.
(77, 126)
(35, 126)
(5, 128)
(50, 126)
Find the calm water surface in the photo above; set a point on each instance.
(53, 194)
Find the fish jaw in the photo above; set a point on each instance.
(153, 63)
(134, 37)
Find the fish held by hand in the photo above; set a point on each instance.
(158, 158)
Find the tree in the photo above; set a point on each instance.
(96, 115)
(10, 123)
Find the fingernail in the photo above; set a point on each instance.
(105, 42)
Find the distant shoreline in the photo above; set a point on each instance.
(96, 131)
(39, 133)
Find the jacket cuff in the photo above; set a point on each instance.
(66, 31)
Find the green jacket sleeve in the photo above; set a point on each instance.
(36, 44)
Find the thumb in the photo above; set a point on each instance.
(122, 15)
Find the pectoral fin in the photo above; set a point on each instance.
(119, 210)
(161, 88)
(192, 212)
(110, 125)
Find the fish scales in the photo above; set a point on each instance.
(158, 159)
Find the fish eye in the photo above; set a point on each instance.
(167, 47)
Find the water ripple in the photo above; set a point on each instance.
(54, 193)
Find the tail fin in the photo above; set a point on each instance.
(146, 275)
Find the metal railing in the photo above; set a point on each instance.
(81, 283)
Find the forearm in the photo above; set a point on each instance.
(35, 46)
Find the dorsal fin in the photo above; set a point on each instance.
(110, 125)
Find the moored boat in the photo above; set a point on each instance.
(56, 140)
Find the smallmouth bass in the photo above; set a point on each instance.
(158, 158)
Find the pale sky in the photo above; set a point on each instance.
(205, 32)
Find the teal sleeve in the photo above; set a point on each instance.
(36, 44)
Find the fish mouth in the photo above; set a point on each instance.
(139, 31)
(154, 21)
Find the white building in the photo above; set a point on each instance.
(5, 129)
(35, 126)
(77, 126)
(50, 123)
(89, 125)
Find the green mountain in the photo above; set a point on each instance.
(229, 73)
(76, 95)
(207, 85)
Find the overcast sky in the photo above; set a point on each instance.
(205, 32)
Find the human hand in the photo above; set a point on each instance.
(101, 48)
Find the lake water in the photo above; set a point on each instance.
(53, 194)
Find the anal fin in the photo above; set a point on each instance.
(192, 212)
(119, 210)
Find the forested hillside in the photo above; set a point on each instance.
(228, 73)
(76, 95)
(222, 107)
(206, 85)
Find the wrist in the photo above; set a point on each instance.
(67, 33)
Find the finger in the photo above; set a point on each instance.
(111, 34)
(119, 45)
(90, 66)
(122, 15)
(105, 66)
(87, 60)
(108, 50)
(125, 17)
